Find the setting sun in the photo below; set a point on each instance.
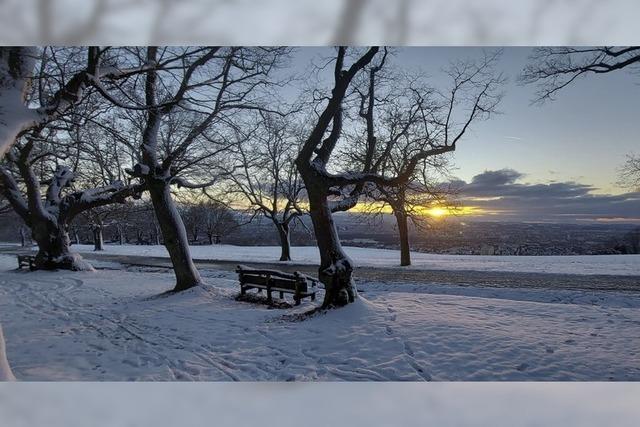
(437, 212)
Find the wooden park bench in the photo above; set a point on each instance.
(27, 261)
(300, 285)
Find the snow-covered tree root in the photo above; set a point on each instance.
(5, 370)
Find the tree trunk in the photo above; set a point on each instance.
(403, 233)
(285, 243)
(156, 235)
(210, 236)
(98, 240)
(174, 235)
(120, 230)
(53, 248)
(23, 237)
(336, 267)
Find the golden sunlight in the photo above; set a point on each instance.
(435, 212)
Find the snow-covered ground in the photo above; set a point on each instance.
(110, 325)
(582, 264)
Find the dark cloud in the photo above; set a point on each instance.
(499, 177)
(500, 195)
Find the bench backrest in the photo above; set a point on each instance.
(277, 282)
(274, 278)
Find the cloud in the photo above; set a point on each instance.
(501, 193)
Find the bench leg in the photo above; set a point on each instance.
(296, 297)
(313, 297)
(281, 295)
(242, 290)
(269, 299)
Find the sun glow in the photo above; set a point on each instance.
(434, 212)
(437, 212)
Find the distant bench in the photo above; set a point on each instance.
(27, 261)
(300, 285)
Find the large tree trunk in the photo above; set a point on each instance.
(53, 248)
(98, 240)
(403, 233)
(336, 267)
(174, 235)
(285, 243)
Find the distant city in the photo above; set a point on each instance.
(464, 237)
(453, 235)
(468, 237)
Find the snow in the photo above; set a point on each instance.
(369, 257)
(14, 115)
(112, 325)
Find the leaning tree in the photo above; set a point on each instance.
(49, 215)
(475, 86)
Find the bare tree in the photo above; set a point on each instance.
(56, 94)
(193, 216)
(630, 172)
(409, 202)
(49, 216)
(402, 117)
(328, 192)
(264, 175)
(554, 68)
(190, 97)
(219, 221)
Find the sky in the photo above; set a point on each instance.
(562, 156)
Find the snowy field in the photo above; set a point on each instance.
(110, 325)
(367, 257)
